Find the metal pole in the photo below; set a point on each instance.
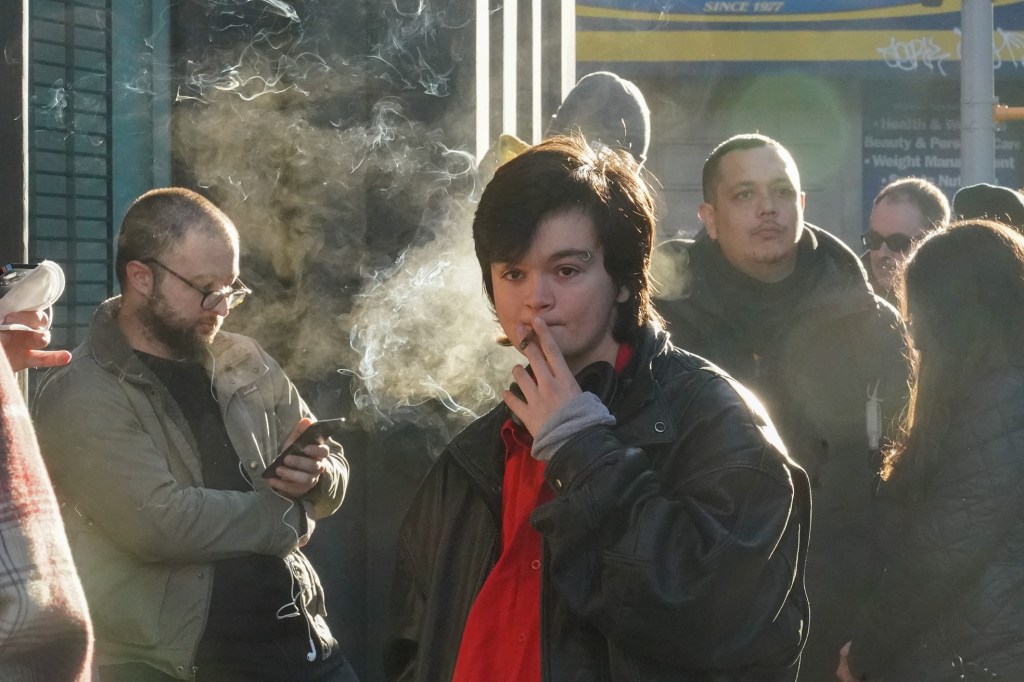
(14, 21)
(537, 73)
(483, 78)
(977, 94)
(568, 47)
(510, 67)
(14, 132)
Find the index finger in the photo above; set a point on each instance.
(49, 358)
(546, 349)
(316, 451)
(296, 432)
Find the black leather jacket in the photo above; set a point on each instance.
(951, 602)
(673, 549)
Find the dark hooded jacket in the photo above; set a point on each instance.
(672, 550)
(825, 364)
(951, 602)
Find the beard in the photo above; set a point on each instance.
(180, 336)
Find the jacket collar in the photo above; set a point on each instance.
(637, 404)
(842, 287)
(110, 347)
(641, 408)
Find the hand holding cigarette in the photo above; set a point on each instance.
(548, 385)
(530, 337)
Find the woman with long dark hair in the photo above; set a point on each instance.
(950, 605)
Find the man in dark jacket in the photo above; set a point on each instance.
(627, 513)
(785, 308)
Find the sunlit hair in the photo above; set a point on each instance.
(962, 295)
(161, 218)
(562, 174)
(710, 176)
(929, 199)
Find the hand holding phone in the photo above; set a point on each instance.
(317, 432)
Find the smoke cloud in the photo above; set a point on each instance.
(347, 176)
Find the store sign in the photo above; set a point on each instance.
(858, 36)
(909, 138)
(754, 6)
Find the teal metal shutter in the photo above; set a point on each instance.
(70, 179)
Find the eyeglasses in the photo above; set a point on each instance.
(899, 243)
(211, 299)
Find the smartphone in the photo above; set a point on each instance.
(317, 432)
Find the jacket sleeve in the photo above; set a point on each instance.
(947, 537)
(424, 533)
(103, 458)
(326, 497)
(408, 604)
(446, 546)
(679, 559)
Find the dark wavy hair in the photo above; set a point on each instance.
(565, 173)
(962, 295)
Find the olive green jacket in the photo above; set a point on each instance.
(144, 531)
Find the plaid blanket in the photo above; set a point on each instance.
(45, 635)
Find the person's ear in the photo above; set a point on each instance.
(139, 277)
(623, 295)
(803, 200)
(706, 213)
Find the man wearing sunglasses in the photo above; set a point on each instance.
(901, 213)
(156, 435)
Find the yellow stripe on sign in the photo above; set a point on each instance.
(901, 12)
(773, 46)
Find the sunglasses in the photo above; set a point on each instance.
(899, 243)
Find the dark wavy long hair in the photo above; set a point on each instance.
(961, 293)
(564, 173)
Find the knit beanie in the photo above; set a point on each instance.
(604, 107)
(990, 201)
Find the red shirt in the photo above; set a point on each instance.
(502, 636)
(501, 640)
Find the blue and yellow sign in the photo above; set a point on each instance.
(645, 36)
(820, 9)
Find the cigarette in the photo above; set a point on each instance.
(530, 336)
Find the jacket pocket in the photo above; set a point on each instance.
(125, 596)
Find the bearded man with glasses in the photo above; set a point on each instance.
(901, 214)
(156, 435)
